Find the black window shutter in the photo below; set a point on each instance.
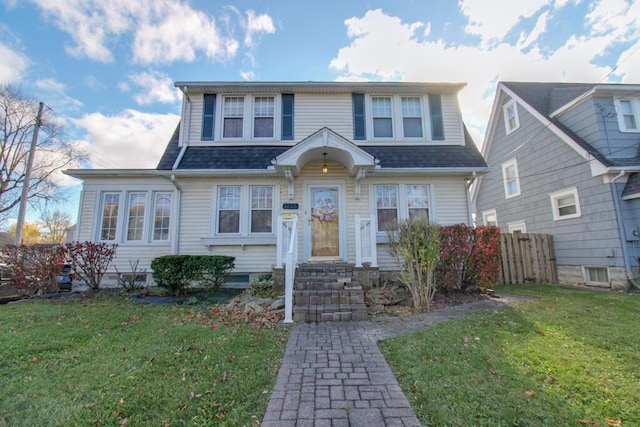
(208, 116)
(435, 109)
(287, 116)
(359, 132)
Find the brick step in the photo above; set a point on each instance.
(346, 296)
(329, 312)
(318, 284)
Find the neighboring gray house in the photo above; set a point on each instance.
(564, 160)
(250, 159)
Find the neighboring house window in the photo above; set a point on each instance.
(287, 116)
(208, 116)
(490, 218)
(418, 201)
(565, 204)
(511, 120)
(596, 275)
(511, 180)
(135, 223)
(261, 209)
(386, 206)
(162, 216)
(228, 210)
(263, 116)
(109, 223)
(394, 203)
(359, 125)
(411, 117)
(517, 227)
(627, 110)
(382, 117)
(233, 117)
(435, 111)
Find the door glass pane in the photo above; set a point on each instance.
(325, 237)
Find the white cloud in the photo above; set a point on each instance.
(163, 31)
(12, 65)
(540, 28)
(408, 57)
(493, 19)
(131, 139)
(611, 17)
(53, 93)
(257, 25)
(156, 87)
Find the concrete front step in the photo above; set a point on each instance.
(329, 312)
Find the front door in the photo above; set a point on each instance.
(324, 222)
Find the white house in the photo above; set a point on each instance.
(257, 170)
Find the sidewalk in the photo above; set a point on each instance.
(333, 373)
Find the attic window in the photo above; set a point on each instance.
(511, 120)
(628, 114)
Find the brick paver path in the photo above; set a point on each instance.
(333, 373)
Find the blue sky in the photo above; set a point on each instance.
(107, 67)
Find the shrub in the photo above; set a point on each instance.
(457, 243)
(134, 280)
(32, 270)
(89, 261)
(177, 272)
(485, 263)
(415, 246)
(262, 286)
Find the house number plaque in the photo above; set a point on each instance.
(290, 206)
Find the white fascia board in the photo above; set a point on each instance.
(96, 173)
(553, 128)
(426, 171)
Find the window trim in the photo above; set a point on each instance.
(556, 209)
(635, 109)
(586, 275)
(122, 218)
(402, 201)
(244, 229)
(517, 226)
(488, 213)
(505, 113)
(506, 165)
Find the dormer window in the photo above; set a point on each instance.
(382, 117)
(263, 116)
(628, 110)
(233, 117)
(412, 117)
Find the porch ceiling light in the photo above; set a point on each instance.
(325, 169)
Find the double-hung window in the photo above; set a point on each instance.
(511, 179)
(263, 116)
(628, 111)
(382, 112)
(233, 122)
(135, 222)
(394, 203)
(109, 223)
(565, 204)
(511, 119)
(228, 209)
(243, 210)
(412, 117)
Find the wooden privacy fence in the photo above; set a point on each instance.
(528, 258)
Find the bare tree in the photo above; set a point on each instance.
(53, 153)
(54, 225)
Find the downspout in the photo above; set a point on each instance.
(467, 185)
(175, 243)
(621, 228)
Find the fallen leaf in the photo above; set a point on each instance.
(540, 332)
(613, 422)
(589, 423)
(549, 379)
(490, 361)
(529, 393)
(121, 401)
(35, 360)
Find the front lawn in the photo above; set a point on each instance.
(107, 361)
(569, 358)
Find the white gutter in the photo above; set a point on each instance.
(467, 186)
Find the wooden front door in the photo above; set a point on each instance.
(325, 222)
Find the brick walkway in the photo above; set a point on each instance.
(333, 373)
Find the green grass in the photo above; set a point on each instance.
(569, 358)
(107, 361)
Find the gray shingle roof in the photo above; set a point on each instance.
(548, 97)
(259, 157)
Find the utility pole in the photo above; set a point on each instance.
(27, 178)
